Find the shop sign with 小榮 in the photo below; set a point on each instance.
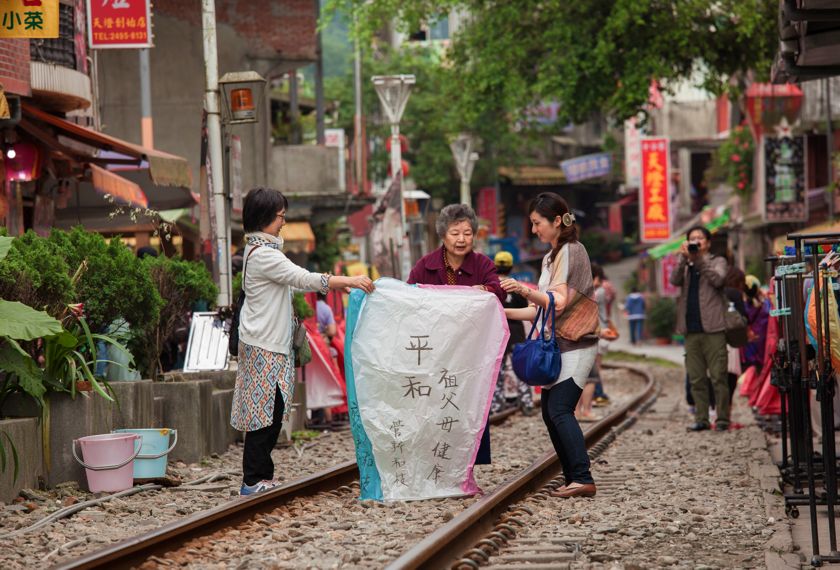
(29, 19)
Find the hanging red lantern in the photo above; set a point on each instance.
(767, 103)
(405, 169)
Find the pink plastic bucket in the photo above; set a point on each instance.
(108, 460)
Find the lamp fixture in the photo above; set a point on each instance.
(242, 94)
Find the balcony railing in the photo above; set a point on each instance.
(61, 50)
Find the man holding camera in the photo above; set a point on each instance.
(700, 317)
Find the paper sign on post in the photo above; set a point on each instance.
(421, 366)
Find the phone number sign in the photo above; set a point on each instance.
(119, 24)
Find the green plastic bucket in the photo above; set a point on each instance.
(150, 463)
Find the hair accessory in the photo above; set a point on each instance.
(568, 219)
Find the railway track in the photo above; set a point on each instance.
(442, 548)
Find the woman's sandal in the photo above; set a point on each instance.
(575, 490)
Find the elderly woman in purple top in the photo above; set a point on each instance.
(455, 263)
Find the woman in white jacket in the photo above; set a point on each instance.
(265, 378)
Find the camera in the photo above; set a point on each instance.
(693, 248)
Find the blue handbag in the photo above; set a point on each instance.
(537, 361)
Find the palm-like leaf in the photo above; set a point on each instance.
(21, 322)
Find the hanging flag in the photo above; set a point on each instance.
(421, 365)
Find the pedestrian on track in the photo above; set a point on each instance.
(634, 306)
(700, 317)
(567, 274)
(265, 377)
(456, 263)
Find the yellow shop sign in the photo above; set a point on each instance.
(28, 18)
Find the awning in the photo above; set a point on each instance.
(124, 191)
(826, 227)
(163, 168)
(664, 249)
(298, 237)
(533, 175)
(615, 218)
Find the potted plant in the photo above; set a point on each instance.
(613, 247)
(662, 319)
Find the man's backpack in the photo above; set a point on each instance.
(233, 334)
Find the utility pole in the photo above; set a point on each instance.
(214, 147)
(294, 107)
(829, 137)
(146, 128)
(358, 119)
(319, 80)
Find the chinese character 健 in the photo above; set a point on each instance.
(440, 450)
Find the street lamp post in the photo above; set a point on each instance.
(393, 92)
(214, 147)
(240, 108)
(465, 159)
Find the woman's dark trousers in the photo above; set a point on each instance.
(256, 457)
(558, 407)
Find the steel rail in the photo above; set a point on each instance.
(445, 546)
(134, 550)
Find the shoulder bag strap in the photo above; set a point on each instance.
(536, 320)
(245, 266)
(553, 314)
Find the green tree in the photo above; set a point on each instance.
(589, 56)
(433, 115)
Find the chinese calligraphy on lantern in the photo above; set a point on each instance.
(29, 19)
(418, 399)
(655, 196)
(119, 23)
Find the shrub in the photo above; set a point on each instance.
(114, 283)
(662, 317)
(35, 273)
(181, 283)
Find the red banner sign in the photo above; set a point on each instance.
(667, 266)
(119, 24)
(655, 201)
(487, 208)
